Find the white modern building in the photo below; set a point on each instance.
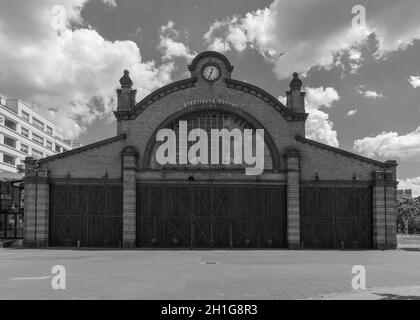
(26, 133)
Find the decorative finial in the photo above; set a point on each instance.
(126, 81)
(296, 82)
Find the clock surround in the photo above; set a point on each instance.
(208, 76)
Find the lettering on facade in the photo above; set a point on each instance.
(242, 149)
(210, 102)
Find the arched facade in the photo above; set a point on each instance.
(116, 193)
(215, 117)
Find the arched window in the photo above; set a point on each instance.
(209, 120)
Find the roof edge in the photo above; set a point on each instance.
(160, 93)
(206, 54)
(231, 83)
(84, 148)
(267, 98)
(341, 151)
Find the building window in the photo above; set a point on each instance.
(25, 116)
(10, 124)
(24, 148)
(37, 123)
(24, 132)
(9, 142)
(49, 145)
(57, 148)
(37, 154)
(209, 120)
(37, 139)
(49, 130)
(9, 159)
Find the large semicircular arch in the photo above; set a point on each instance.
(275, 155)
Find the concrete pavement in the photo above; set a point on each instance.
(141, 274)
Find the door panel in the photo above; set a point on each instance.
(90, 214)
(211, 216)
(336, 217)
(203, 232)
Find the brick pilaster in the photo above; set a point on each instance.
(129, 158)
(390, 210)
(379, 225)
(36, 217)
(385, 207)
(293, 212)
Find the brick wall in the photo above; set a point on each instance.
(93, 163)
(332, 166)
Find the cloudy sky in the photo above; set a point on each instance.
(363, 79)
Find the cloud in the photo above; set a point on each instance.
(170, 45)
(369, 93)
(111, 3)
(219, 45)
(411, 183)
(319, 97)
(70, 72)
(302, 34)
(355, 59)
(391, 145)
(415, 81)
(318, 126)
(351, 113)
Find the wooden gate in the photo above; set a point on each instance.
(336, 217)
(211, 216)
(89, 213)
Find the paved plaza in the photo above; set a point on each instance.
(142, 274)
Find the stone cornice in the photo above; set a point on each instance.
(341, 152)
(93, 181)
(84, 148)
(129, 151)
(292, 153)
(122, 115)
(334, 183)
(267, 98)
(385, 183)
(35, 179)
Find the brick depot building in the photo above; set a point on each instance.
(114, 193)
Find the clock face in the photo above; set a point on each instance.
(211, 73)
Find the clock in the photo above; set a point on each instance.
(211, 73)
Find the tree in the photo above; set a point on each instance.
(407, 209)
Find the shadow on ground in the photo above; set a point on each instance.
(409, 249)
(390, 296)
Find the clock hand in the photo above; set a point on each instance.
(211, 73)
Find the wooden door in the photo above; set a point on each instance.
(90, 214)
(211, 216)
